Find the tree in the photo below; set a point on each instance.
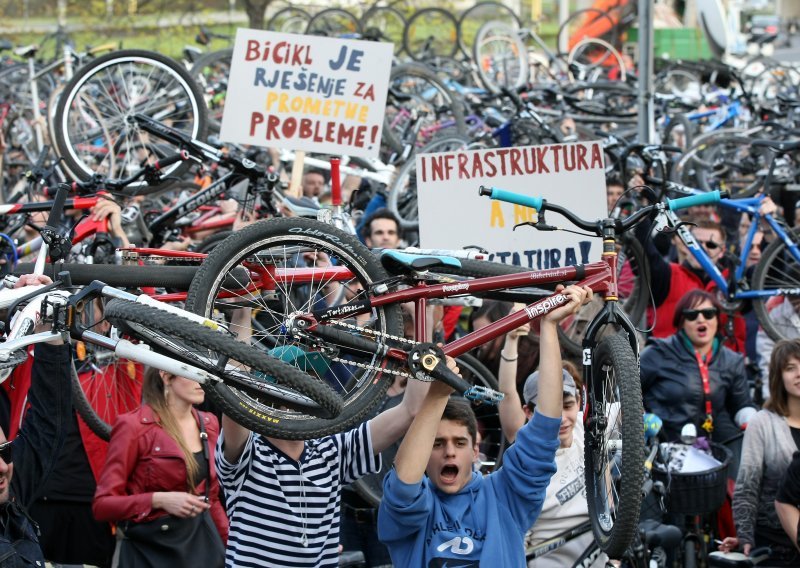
(255, 10)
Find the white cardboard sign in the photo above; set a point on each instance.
(452, 215)
(311, 93)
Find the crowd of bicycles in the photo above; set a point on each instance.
(133, 134)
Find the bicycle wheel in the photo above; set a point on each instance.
(778, 269)
(501, 57)
(382, 23)
(679, 131)
(613, 418)
(731, 163)
(211, 71)
(589, 23)
(402, 198)
(295, 266)
(289, 20)
(492, 444)
(633, 280)
(334, 22)
(474, 18)
(593, 59)
(94, 130)
(236, 364)
(424, 94)
(431, 32)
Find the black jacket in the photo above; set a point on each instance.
(672, 388)
(35, 451)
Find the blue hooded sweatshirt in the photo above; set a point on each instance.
(485, 523)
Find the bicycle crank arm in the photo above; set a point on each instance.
(427, 361)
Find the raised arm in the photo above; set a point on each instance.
(234, 434)
(512, 417)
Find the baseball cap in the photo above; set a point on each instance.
(531, 389)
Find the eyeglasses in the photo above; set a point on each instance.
(707, 313)
(711, 245)
(5, 452)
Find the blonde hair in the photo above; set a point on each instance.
(154, 394)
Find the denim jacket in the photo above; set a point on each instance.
(35, 451)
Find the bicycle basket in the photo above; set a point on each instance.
(697, 493)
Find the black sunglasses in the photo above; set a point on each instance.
(711, 245)
(708, 313)
(5, 452)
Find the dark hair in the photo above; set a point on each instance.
(383, 213)
(781, 353)
(691, 299)
(460, 411)
(492, 310)
(326, 175)
(614, 179)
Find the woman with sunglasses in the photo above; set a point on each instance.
(690, 377)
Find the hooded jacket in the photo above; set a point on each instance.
(485, 523)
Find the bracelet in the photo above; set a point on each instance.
(509, 359)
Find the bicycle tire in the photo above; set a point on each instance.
(428, 93)
(287, 247)
(370, 487)
(501, 57)
(442, 39)
(211, 71)
(122, 276)
(591, 55)
(475, 17)
(573, 37)
(111, 86)
(384, 23)
(734, 162)
(177, 336)
(689, 554)
(679, 131)
(334, 22)
(402, 197)
(777, 269)
(289, 20)
(614, 525)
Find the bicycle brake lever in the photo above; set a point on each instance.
(671, 230)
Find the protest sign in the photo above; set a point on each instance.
(311, 93)
(452, 215)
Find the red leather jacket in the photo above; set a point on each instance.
(143, 459)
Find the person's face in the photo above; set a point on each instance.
(713, 243)
(183, 390)
(313, 183)
(755, 249)
(744, 226)
(791, 377)
(569, 415)
(383, 234)
(701, 331)
(6, 471)
(613, 193)
(454, 452)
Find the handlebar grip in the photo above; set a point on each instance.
(169, 160)
(692, 200)
(58, 205)
(511, 197)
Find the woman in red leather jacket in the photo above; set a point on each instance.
(156, 464)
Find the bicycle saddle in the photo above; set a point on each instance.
(719, 559)
(26, 50)
(301, 206)
(657, 534)
(397, 263)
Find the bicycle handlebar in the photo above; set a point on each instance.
(693, 200)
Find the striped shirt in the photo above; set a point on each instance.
(276, 504)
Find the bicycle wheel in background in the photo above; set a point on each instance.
(383, 23)
(779, 269)
(500, 56)
(415, 89)
(474, 18)
(679, 131)
(334, 22)
(289, 20)
(732, 163)
(593, 59)
(429, 33)
(284, 267)
(589, 23)
(94, 130)
(235, 363)
(211, 71)
(402, 198)
(492, 442)
(614, 444)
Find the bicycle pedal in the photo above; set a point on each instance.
(484, 394)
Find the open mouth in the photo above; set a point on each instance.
(702, 329)
(449, 473)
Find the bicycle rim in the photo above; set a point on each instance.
(275, 267)
(779, 271)
(501, 57)
(614, 444)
